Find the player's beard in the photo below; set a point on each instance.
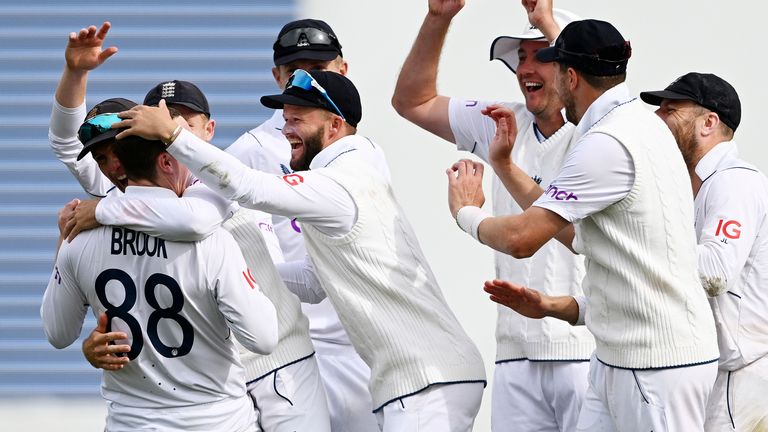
(687, 141)
(313, 145)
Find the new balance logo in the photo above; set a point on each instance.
(560, 195)
(537, 179)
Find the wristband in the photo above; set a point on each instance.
(469, 218)
(175, 134)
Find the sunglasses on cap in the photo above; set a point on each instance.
(313, 36)
(303, 80)
(96, 126)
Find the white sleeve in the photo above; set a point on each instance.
(193, 217)
(472, 130)
(64, 305)
(309, 197)
(300, 278)
(62, 137)
(250, 314)
(732, 215)
(588, 183)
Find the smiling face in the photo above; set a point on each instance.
(306, 131)
(109, 165)
(537, 80)
(684, 118)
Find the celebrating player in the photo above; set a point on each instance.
(541, 365)
(703, 112)
(178, 304)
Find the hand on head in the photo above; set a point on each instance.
(152, 123)
(465, 185)
(84, 50)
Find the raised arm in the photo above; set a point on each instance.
(416, 97)
(540, 15)
(84, 53)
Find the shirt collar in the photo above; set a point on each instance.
(344, 145)
(604, 104)
(149, 191)
(709, 163)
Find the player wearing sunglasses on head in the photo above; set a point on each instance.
(312, 45)
(426, 373)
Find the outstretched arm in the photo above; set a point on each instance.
(540, 15)
(531, 303)
(416, 97)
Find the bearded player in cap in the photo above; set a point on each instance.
(703, 112)
(426, 373)
(622, 200)
(312, 45)
(541, 365)
(285, 386)
(177, 305)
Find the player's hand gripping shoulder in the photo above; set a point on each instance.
(81, 218)
(465, 185)
(445, 8)
(85, 51)
(500, 150)
(101, 352)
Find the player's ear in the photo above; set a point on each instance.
(210, 129)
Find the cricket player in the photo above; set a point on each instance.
(703, 112)
(622, 200)
(426, 373)
(541, 365)
(285, 386)
(311, 44)
(177, 303)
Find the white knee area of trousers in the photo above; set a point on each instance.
(741, 402)
(538, 396)
(291, 399)
(345, 377)
(672, 400)
(440, 408)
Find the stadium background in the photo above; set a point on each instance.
(225, 47)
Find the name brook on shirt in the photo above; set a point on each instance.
(125, 240)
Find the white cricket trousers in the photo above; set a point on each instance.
(541, 396)
(644, 400)
(291, 399)
(439, 408)
(345, 377)
(739, 401)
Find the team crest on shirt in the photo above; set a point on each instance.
(285, 169)
(250, 279)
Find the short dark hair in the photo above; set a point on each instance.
(601, 83)
(138, 156)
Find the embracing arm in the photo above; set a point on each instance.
(300, 278)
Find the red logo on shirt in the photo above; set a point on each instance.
(250, 279)
(724, 227)
(293, 179)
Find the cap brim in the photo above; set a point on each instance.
(324, 55)
(655, 97)
(189, 105)
(547, 55)
(505, 48)
(278, 101)
(106, 136)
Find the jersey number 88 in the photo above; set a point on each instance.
(122, 311)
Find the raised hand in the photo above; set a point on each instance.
(445, 8)
(500, 151)
(465, 185)
(540, 16)
(85, 48)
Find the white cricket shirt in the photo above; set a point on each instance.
(731, 212)
(179, 304)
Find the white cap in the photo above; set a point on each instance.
(505, 48)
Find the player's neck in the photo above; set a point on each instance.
(549, 123)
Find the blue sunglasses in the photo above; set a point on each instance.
(96, 126)
(303, 80)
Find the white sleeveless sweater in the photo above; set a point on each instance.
(292, 326)
(646, 308)
(386, 295)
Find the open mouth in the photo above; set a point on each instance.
(532, 87)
